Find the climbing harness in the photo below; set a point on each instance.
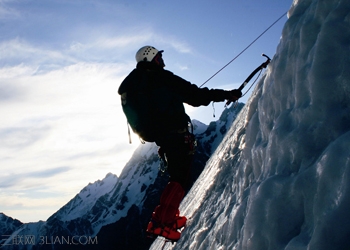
(244, 49)
(190, 145)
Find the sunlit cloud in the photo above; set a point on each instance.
(18, 70)
(63, 115)
(69, 116)
(19, 52)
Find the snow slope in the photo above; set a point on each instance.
(281, 177)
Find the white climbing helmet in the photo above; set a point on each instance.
(146, 53)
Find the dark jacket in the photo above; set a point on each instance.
(171, 91)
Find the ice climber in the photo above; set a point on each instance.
(152, 100)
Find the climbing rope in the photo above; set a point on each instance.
(244, 49)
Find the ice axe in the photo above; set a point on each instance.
(262, 66)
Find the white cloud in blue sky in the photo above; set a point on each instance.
(61, 65)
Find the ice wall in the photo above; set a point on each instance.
(281, 177)
(298, 140)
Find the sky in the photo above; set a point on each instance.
(61, 63)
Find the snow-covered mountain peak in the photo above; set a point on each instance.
(8, 224)
(106, 182)
(198, 127)
(86, 198)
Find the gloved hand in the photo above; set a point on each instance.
(233, 95)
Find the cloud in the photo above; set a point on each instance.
(68, 116)
(181, 47)
(48, 172)
(38, 58)
(119, 47)
(16, 71)
(124, 41)
(7, 12)
(11, 180)
(182, 67)
(9, 92)
(27, 57)
(110, 47)
(21, 137)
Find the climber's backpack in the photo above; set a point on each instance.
(146, 106)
